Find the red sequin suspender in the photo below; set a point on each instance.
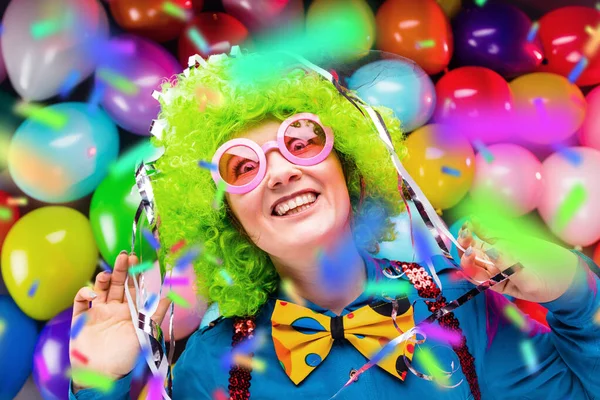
(239, 377)
(427, 288)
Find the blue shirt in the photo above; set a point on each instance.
(567, 367)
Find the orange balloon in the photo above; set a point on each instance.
(150, 18)
(416, 29)
(442, 163)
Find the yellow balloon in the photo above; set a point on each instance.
(450, 7)
(348, 22)
(442, 163)
(48, 255)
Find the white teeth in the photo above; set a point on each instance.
(299, 203)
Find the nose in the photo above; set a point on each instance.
(280, 171)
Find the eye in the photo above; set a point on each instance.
(243, 167)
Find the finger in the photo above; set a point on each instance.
(133, 260)
(161, 310)
(82, 300)
(474, 272)
(465, 239)
(117, 281)
(101, 286)
(481, 231)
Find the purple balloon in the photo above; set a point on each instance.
(51, 358)
(496, 37)
(144, 64)
(2, 66)
(259, 15)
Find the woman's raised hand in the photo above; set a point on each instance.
(108, 340)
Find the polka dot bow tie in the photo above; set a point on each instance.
(303, 337)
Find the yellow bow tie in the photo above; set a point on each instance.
(303, 337)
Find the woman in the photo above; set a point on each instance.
(301, 169)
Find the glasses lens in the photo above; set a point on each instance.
(239, 165)
(304, 138)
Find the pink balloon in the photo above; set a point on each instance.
(511, 175)
(186, 320)
(573, 177)
(589, 134)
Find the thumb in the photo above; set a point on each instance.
(161, 310)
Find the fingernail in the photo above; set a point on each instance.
(132, 253)
(492, 253)
(464, 226)
(464, 233)
(93, 295)
(123, 252)
(469, 251)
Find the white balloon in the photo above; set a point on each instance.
(46, 41)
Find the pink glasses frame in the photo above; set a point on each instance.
(271, 145)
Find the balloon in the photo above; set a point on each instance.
(51, 358)
(149, 18)
(61, 164)
(596, 256)
(450, 7)
(589, 134)
(442, 164)
(261, 15)
(113, 208)
(416, 29)
(495, 36)
(510, 174)
(146, 67)
(399, 84)
(548, 108)
(48, 255)
(9, 214)
(570, 202)
(353, 19)
(185, 320)
(18, 334)
(2, 66)
(218, 31)
(475, 101)
(565, 40)
(197, 5)
(46, 43)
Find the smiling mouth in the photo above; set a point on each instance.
(296, 210)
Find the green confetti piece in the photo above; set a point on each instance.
(6, 213)
(138, 269)
(514, 315)
(177, 299)
(2, 327)
(388, 287)
(41, 114)
(569, 207)
(529, 355)
(219, 196)
(429, 362)
(480, 3)
(425, 44)
(86, 377)
(42, 29)
(196, 37)
(174, 10)
(117, 81)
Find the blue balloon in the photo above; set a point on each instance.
(399, 84)
(62, 153)
(18, 335)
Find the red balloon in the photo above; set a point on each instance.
(9, 214)
(415, 29)
(565, 42)
(259, 15)
(211, 33)
(596, 256)
(475, 101)
(197, 5)
(534, 310)
(149, 18)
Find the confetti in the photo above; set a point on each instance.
(140, 364)
(392, 287)
(226, 276)
(155, 388)
(175, 11)
(591, 47)
(89, 378)
(430, 363)
(480, 3)
(6, 214)
(213, 259)
(151, 239)
(195, 36)
(102, 264)
(42, 29)
(92, 151)
(220, 394)
(41, 367)
(41, 114)
(570, 206)
(514, 315)
(69, 84)
(578, 70)
(187, 258)
(207, 165)
(177, 281)
(79, 356)
(529, 355)
(17, 201)
(596, 320)
(78, 325)
(250, 362)
(96, 96)
(533, 31)
(288, 288)
(450, 171)
(33, 288)
(571, 155)
(425, 44)
(437, 332)
(149, 304)
(483, 150)
(178, 300)
(177, 246)
(219, 195)
(117, 81)
(137, 269)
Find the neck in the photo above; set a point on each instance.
(331, 285)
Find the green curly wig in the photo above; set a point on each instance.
(184, 192)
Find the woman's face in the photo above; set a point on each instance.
(309, 226)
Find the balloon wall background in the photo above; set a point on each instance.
(505, 104)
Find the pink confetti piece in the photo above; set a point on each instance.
(220, 394)
(155, 386)
(437, 332)
(42, 369)
(177, 281)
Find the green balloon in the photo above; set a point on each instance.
(113, 209)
